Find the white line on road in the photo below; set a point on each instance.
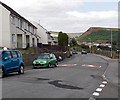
(104, 82)
(99, 89)
(92, 66)
(96, 94)
(102, 85)
(65, 65)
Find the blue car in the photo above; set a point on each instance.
(11, 61)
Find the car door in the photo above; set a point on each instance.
(6, 60)
(15, 60)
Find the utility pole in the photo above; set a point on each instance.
(111, 35)
(90, 46)
(111, 43)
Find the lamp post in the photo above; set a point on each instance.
(90, 46)
(111, 42)
(111, 55)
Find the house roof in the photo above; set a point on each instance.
(15, 13)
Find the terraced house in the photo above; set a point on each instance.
(16, 31)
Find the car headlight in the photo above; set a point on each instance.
(34, 62)
(44, 61)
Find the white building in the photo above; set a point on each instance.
(46, 37)
(17, 32)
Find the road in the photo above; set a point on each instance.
(75, 77)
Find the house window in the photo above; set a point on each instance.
(28, 27)
(12, 19)
(17, 21)
(21, 23)
(32, 29)
(13, 38)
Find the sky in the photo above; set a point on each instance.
(71, 16)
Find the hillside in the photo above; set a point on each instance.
(71, 35)
(97, 34)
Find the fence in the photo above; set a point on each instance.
(53, 47)
(115, 55)
(28, 58)
(31, 53)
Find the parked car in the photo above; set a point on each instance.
(59, 58)
(45, 60)
(11, 61)
(74, 52)
(84, 52)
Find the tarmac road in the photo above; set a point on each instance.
(75, 77)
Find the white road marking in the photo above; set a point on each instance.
(99, 89)
(102, 85)
(104, 82)
(92, 66)
(91, 98)
(67, 65)
(96, 94)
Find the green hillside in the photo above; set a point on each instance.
(101, 35)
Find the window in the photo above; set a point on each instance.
(51, 56)
(35, 30)
(6, 54)
(21, 23)
(14, 54)
(12, 19)
(18, 22)
(13, 38)
(19, 54)
(32, 29)
(28, 27)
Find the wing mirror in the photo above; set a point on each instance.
(5, 58)
(51, 57)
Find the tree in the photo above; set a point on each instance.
(62, 39)
(73, 42)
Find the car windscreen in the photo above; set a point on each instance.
(43, 56)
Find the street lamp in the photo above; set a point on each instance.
(90, 46)
(111, 42)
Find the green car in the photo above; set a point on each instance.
(45, 60)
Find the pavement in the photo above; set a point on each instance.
(112, 72)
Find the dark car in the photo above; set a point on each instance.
(84, 52)
(11, 61)
(59, 58)
(74, 52)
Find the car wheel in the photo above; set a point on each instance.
(3, 73)
(21, 70)
(49, 65)
(55, 65)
